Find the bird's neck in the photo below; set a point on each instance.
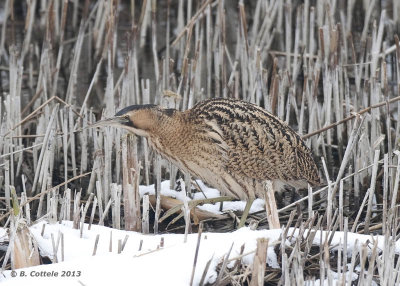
(170, 132)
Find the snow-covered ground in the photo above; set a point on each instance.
(154, 264)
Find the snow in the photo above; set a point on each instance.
(258, 204)
(3, 235)
(170, 264)
(335, 280)
(153, 265)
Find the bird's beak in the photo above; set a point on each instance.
(117, 121)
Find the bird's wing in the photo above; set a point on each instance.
(255, 143)
(217, 136)
(255, 151)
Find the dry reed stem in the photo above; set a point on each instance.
(24, 254)
(191, 22)
(271, 207)
(260, 257)
(96, 243)
(145, 214)
(196, 253)
(371, 192)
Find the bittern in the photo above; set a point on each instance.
(232, 145)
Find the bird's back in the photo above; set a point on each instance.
(254, 143)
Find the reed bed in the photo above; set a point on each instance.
(330, 69)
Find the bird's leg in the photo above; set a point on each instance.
(270, 207)
(245, 212)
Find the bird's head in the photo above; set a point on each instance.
(138, 119)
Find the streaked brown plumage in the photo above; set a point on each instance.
(233, 145)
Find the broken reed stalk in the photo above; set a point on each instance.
(185, 210)
(110, 243)
(371, 192)
(157, 171)
(196, 253)
(93, 212)
(145, 214)
(84, 213)
(271, 207)
(258, 269)
(124, 242)
(23, 252)
(130, 180)
(76, 210)
(96, 243)
(55, 259)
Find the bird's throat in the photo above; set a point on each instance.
(171, 135)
